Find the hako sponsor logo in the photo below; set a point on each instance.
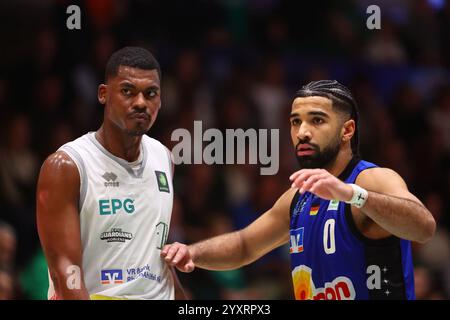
(341, 288)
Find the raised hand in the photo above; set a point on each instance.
(321, 183)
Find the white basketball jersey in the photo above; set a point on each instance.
(124, 217)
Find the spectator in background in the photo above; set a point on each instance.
(384, 46)
(8, 244)
(445, 32)
(18, 164)
(186, 87)
(439, 117)
(6, 285)
(46, 52)
(435, 255)
(269, 93)
(48, 106)
(422, 283)
(85, 77)
(18, 174)
(3, 94)
(422, 34)
(426, 285)
(407, 109)
(7, 261)
(203, 180)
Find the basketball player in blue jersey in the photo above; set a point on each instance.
(349, 222)
(104, 200)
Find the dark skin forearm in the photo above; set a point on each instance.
(63, 292)
(68, 282)
(404, 218)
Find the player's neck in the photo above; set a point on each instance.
(342, 159)
(119, 144)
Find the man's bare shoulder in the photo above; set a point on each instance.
(379, 173)
(284, 201)
(288, 195)
(59, 166)
(379, 179)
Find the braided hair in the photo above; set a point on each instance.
(341, 98)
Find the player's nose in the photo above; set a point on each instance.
(304, 133)
(139, 101)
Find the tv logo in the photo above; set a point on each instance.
(111, 276)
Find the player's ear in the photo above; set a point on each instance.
(101, 93)
(348, 130)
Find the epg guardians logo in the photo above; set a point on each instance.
(340, 288)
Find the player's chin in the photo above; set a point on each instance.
(138, 130)
(307, 162)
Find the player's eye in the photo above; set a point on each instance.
(317, 120)
(151, 93)
(126, 91)
(295, 122)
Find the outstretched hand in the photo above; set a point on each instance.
(178, 255)
(321, 183)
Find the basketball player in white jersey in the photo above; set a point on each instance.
(104, 200)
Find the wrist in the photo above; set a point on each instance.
(359, 196)
(192, 252)
(349, 193)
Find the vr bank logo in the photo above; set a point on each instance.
(296, 240)
(111, 276)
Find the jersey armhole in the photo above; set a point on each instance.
(76, 157)
(391, 240)
(294, 202)
(171, 162)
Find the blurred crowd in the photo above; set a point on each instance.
(231, 64)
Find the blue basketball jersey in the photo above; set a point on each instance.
(331, 259)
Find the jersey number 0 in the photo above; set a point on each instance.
(329, 244)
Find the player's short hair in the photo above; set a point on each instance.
(134, 57)
(342, 100)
